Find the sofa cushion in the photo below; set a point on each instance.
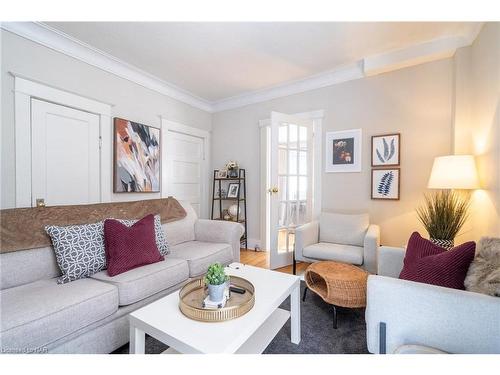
(331, 251)
(145, 281)
(130, 247)
(38, 313)
(161, 239)
(343, 229)
(431, 264)
(181, 230)
(79, 249)
(200, 255)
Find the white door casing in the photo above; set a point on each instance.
(185, 165)
(65, 155)
(27, 89)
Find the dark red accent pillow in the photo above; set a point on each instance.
(431, 264)
(130, 247)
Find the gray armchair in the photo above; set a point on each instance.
(339, 237)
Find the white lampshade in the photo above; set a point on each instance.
(454, 172)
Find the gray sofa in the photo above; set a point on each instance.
(90, 315)
(422, 318)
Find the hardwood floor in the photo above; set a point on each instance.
(261, 259)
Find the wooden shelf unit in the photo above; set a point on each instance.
(240, 201)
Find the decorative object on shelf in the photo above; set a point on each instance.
(236, 194)
(192, 294)
(232, 169)
(385, 183)
(233, 190)
(445, 212)
(386, 150)
(234, 210)
(343, 151)
(216, 279)
(222, 173)
(136, 166)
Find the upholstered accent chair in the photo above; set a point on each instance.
(339, 237)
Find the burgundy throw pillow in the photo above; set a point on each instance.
(431, 264)
(130, 247)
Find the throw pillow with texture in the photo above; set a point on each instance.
(161, 239)
(130, 247)
(427, 263)
(484, 272)
(79, 250)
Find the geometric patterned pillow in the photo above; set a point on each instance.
(161, 239)
(79, 250)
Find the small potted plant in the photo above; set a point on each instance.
(216, 279)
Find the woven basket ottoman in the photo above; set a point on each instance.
(338, 284)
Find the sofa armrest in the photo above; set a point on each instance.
(455, 321)
(220, 231)
(370, 248)
(305, 235)
(390, 261)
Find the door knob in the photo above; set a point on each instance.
(273, 190)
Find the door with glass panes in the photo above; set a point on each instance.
(290, 190)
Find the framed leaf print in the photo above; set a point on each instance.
(386, 149)
(385, 183)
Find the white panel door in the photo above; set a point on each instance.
(291, 183)
(65, 155)
(184, 158)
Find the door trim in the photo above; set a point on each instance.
(169, 125)
(24, 90)
(317, 118)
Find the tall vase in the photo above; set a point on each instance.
(446, 244)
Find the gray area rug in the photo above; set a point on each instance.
(318, 335)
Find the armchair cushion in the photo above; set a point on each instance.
(343, 229)
(331, 251)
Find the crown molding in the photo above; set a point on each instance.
(370, 65)
(61, 42)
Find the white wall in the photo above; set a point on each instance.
(415, 101)
(477, 125)
(131, 101)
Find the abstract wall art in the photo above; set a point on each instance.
(385, 150)
(385, 183)
(343, 151)
(136, 157)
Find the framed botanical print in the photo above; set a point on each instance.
(136, 166)
(386, 150)
(343, 151)
(385, 183)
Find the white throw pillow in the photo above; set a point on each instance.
(343, 229)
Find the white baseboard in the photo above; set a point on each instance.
(252, 242)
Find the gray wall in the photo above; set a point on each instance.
(131, 101)
(416, 101)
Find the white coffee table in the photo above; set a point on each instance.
(250, 333)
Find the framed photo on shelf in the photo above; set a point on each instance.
(222, 173)
(385, 183)
(343, 151)
(232, 190)
(386, 149)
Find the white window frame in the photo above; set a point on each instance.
(24, 90)
(169, 125)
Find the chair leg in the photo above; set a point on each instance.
(334, 317)
(304, 295)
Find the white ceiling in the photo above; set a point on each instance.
(216, 61)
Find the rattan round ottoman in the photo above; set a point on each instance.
(338, 284)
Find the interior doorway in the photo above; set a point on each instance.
(291, 189)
